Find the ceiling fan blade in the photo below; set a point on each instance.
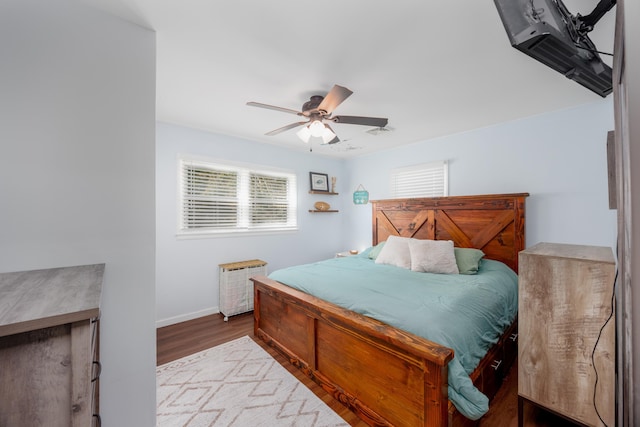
(284, 128)
(334, 140)
(336, 95)
(358, 120)
(273, 107)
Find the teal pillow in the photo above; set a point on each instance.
(375, 251)
(468, 259)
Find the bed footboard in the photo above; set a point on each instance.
(385, 375)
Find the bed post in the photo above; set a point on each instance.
(436, 400)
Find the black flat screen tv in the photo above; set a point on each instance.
(546, 31)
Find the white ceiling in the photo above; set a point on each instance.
(433, 68)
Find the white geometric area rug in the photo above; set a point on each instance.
(236, 384)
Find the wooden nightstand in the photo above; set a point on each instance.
(565, 301)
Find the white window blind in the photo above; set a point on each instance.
(227, 198)
(424, 180)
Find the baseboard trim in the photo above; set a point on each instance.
(185, 317)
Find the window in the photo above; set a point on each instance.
(220, 198)
(424, 180)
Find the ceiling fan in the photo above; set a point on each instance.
(319, 109)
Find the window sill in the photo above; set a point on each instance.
(236, 233)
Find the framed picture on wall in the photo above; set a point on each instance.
(319, 181)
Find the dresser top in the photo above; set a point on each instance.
(38, 299)
(577, 252)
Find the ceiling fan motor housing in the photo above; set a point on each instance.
(312, 103)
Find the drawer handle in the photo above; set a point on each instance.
(98, 370)
(513, 337)
(496, 364)
(97, 420)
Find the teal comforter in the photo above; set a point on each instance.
(467, 313)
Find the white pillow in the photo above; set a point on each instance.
(395, 252)
(433, 256)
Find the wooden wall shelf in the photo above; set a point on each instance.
(329, 210)
(323, 192)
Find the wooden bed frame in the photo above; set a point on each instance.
(385, 375)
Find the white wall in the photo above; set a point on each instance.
(77, 110)
(187, 269)
(559, 158)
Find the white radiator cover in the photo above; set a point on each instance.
(236, 290)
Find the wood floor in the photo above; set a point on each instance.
(183, 339)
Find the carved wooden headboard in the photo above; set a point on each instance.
(493, 223)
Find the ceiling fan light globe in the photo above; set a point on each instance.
(304, 134)
(317, 128)
(327, 135)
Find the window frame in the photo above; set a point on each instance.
(243, 226)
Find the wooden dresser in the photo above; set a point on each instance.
(49, 333)
(565, 301)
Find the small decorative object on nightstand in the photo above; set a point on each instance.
(347, 253)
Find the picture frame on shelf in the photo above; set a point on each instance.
(319, 182)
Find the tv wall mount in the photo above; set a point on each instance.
(586, 23)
